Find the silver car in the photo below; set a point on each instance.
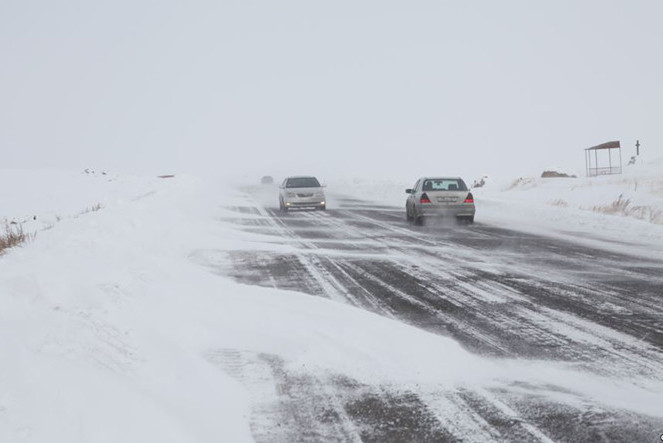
(439, 197)
(302, 192)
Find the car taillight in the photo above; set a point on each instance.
(424, 198)
(469, 198)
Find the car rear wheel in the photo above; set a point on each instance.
(408, 216)
(416, 218)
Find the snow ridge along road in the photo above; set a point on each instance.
(501, 294)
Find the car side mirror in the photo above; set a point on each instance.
(409, 191)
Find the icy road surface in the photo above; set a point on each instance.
(500, 293)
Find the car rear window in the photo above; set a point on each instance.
(444, 184)
(303, 182)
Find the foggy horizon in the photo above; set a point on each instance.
(353, 89)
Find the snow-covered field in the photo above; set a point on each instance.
(109, 323)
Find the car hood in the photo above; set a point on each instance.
(305, 190)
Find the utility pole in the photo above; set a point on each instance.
(637, 148)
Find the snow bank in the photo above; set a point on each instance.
(38, 199)
(85, 354)
(620, 212)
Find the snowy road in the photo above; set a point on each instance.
(499, 293)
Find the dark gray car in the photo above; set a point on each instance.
(440, 197)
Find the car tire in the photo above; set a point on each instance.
(408, 217)
(282, 206)
(321, 208)
(418, 219)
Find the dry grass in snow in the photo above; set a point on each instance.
(13, 235)
(622, 206)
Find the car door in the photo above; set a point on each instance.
(282, 189)
(411, 199)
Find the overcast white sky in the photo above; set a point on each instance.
(335, 87)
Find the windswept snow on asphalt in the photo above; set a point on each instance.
(112, 328)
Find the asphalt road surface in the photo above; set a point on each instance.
(499, 293)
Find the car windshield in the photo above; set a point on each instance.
(302, 182)
(444, 184)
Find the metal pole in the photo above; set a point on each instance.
(596, 161)
(610, 159)
(620, 160)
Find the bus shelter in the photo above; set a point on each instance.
(603, 160)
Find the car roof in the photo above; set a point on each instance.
(440, 178)
(301, 176)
